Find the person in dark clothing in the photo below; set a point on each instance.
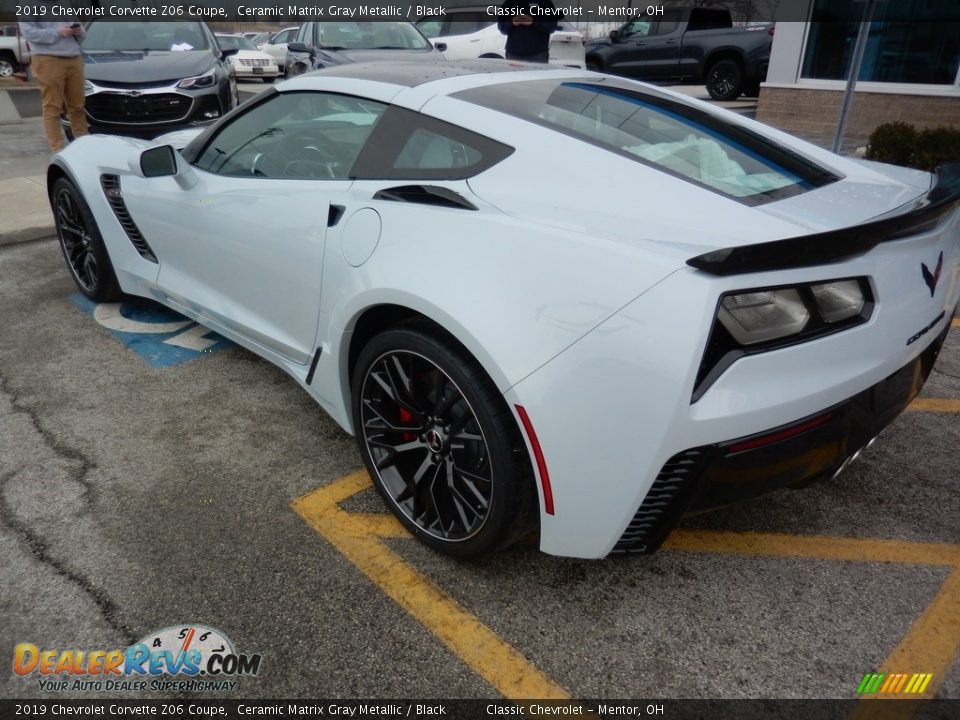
(528, 28)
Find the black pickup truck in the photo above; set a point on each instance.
(688, 44)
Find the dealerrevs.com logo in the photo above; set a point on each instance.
(183, 658)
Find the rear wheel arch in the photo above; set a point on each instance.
(374, 332)
(719, 55)
(379, 318)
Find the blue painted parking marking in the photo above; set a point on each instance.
(156, 333)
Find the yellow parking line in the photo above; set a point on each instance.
(936, 405)
(930, 646)
(865, 550)
(933, 641)
(956, 322)
(357, 537)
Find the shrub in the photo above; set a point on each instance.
(893, 143)
(937, 146)
(900, 144)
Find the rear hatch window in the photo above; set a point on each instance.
(683, 141)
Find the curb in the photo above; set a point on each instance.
(16, 237)
(9, 115)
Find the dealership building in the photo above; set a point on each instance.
(910, 69)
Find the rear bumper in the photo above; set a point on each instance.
(814, 448)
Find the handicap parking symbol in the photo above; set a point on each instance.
(161, 336)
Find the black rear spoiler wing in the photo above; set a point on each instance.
(836, 245)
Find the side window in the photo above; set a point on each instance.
(431, 28)
(294, 135)
(466, 23)
(637, 28)
(407, 145)
(427, 150)
(704, 19)
(669, 22)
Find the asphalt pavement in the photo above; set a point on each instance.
(146, 484)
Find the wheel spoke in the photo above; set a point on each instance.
(387, 424)
(90, 269)
(409, 405)
(469, 481)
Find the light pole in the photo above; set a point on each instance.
(854, 73)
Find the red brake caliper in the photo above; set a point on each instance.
(405, 417)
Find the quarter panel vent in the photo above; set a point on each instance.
(111, 189)
(426, 195)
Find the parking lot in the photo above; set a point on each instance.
(154, 475)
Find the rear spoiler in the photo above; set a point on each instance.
(836, 245)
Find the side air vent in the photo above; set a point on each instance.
(111, 189)
(668, 498)
(426, 195)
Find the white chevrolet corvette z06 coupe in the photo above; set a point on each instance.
(542, 299)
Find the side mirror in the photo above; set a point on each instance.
(299, 48)
(441, 46)
(614, 35)
(226, 52)
(158, 162)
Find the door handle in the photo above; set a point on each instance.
(671, 42)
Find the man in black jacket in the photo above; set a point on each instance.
(527, 27)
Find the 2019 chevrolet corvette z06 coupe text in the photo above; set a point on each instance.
(721, 310)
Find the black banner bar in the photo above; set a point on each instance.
(43, 709)
(618, 11)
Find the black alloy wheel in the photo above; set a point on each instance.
(440, 443)
(82, 245)
(725, 80)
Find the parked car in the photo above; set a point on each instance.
(145, 79)
(14, 55)
(276, 46)
(472, 33)
(517, 346)
(688, 45)
(257, 38)
(324, 44)
(248, 62)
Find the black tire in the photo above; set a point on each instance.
(463, 482)
(724, 80)
(594, 65)
(82, 245)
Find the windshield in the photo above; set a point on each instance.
(371, 35)
(235, 41)
(682, 140)
(145, 36)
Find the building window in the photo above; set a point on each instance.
(910, 41)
